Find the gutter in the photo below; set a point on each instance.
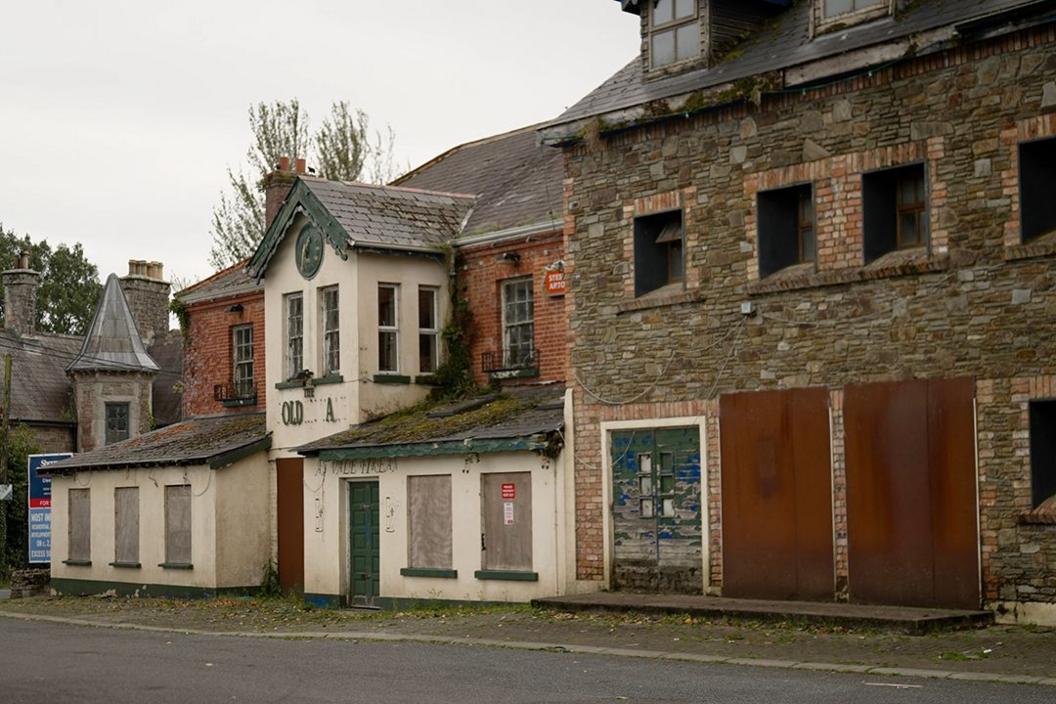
(509, 233)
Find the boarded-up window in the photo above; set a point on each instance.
(80, 525)
(429, 521)
(178, 525)
(126, 525)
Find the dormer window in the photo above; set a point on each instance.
(674, 33)
(830, 15)
(843, 7)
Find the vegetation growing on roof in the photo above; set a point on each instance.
(454, 377)
(179, 309)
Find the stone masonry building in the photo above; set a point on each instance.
(812, 306)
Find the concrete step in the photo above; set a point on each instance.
(911, 620)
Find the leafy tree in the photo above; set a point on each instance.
(22, 443)
(69, 283)
(342, 148)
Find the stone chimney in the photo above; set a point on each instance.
(277, 186)
(20, 296)
(147, 294)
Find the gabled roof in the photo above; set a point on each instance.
(358, 215)
(232, 281)
(522, 418)
(216, 440)
(40, 389)
(787, 43)
(517, 180)
(113, 342)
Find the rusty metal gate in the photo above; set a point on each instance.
(911, 493)
(777, 495)
(656, 510)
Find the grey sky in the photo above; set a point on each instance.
(118, 119)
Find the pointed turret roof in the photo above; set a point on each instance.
(113, 342)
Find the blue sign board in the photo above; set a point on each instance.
(40, 507)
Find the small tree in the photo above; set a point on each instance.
(22, 444)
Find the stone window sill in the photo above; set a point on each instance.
(426, 380)
(176, 566)
(518, 373)
(391, 379)
(1044, 246)
(126, 565)
(507, 575)
(296, 384)
(888, 266)
(661, 298)
(77, 563)
(333, 378)
(429, 572)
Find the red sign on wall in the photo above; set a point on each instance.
(555, 282)
(509, 491)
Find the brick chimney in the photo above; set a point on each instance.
(20, 296)
(147, 294)
(277, 186)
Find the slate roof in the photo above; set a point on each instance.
(232, 281)
(518, 413)
(40, 389)
(391, 217)
(786, 43)
(517, 180)
(195, 441)
(113, 342)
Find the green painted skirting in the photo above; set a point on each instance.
(428, 572)
(86, 587)
(396, 603)
(507, 575)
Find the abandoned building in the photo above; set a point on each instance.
(810, 248)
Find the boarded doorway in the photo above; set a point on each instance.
(506, 505)
(290, 486)
(777, 495)
(911, 494)
(656, 510)
(364, 543)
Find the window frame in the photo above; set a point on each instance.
(292, 339)
(918, 208)
(107, 406)
(393, 330)
(244, 386)
(871, 231)
(1040, 492)
(119, 559)
(639, 224)
(672, 26)
(170, 558)
(1025, 198)
(330, 347)
(769, 200)
(508, 360)
(874, 7)
(433, 333)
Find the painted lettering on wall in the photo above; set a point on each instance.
(372, 465)
(292, 412)
(330, 411)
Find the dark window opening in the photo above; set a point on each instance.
(896, 213)
(1042, 451)
(659, 256)
(1037, 174)
(787, 234)
(116, 422)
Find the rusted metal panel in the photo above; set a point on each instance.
(429, 519)
(507, 507)
(911, 493)
(290, 486)
(656, 510)
(777, 495)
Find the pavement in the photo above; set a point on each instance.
(5, 594)
(123, 665)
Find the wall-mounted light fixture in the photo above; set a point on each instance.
(512, 257)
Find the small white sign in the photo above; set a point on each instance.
(507, 513)
(7, 492)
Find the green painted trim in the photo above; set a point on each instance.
(524, 373)
(328, 379)
(324, 601)
(227, 459)
(85, 587)
(240, 402)
(126, 565)
(77, 563)
(289, 385)
(391, 379)
(507, 575)
(423, 449)
(428, 572)
(427, 380)
(176, 565)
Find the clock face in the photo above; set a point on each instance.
(309, 251)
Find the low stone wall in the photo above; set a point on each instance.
(31, 582)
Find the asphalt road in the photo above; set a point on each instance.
(55, 663)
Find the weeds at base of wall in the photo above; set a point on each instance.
(269, 581)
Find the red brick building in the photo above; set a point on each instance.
(511, 253)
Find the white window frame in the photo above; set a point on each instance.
(672, 26)
(290, 337)
(393, 330)
(507, 362)
(239, 364)
(330, 347)
(433, 332)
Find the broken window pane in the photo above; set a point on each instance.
(667, 483)
(667, 507)
(663, 11)
(117, 428)
(645, 484)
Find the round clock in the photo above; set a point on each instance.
(309, 251)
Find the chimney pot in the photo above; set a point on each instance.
(23, 260)
(300, 166)
(284, 163)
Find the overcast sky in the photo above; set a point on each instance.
(118, 119)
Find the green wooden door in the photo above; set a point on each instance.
(363, 543)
